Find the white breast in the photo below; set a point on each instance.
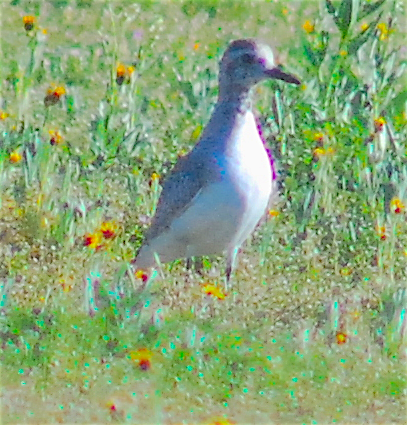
(251, 170)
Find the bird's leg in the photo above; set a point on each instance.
(228, 273)
(198, 265)
(230, 264)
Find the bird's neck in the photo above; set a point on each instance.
(234, 96)
(232, 115)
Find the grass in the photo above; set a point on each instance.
(98, 99)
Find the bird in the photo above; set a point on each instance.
(214, 196)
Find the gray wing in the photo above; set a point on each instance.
(189, 175)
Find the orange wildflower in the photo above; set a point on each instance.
(142, 357)
(397, 205)
(319, 137)
(214, 290)
(141, 274)
(196, 46)
(273, 213)
(123, 73)
(308, 26)
(55, 137)
(3, 115)
(120, 74)
(341, 338)
(381, 232)
(111, 405)
(118, 404)
(54, 94)
(28, 22)
(15, 157)
(379, 124)
(93, 240)
(108, 229)
(66, 287)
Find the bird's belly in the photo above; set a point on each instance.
(210, 224)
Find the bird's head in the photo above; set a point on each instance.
(247, 62)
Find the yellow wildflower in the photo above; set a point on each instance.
(221, 421)
(155, 177)
(364, 26)
(346, 271)
(3, 115)
(308, 26)
(15, 157)
(197, 132)
(214, 290)
(320, 152)
(319, 137)
(384, 31)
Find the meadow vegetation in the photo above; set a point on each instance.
(97, 101)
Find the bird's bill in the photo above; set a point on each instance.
(278, 74)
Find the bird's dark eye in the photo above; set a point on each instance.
(248, 59)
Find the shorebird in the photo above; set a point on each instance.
(214, 196)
